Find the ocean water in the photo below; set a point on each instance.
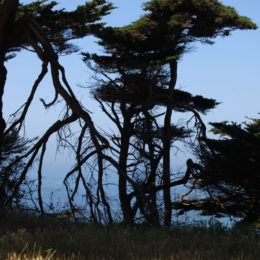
(55, 200)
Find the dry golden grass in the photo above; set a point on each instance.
(28, 237)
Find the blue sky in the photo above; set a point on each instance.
(228, 71)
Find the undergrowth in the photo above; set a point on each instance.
(24, 236)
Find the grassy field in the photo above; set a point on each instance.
(27, 237)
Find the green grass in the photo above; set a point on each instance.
(28, 237)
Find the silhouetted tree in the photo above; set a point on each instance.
(142, 59)
(46, 30)
(229, 172)
(144, 56)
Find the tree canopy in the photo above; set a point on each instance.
(135, 87)
(58, 25)
(229, 172)
(139, 73)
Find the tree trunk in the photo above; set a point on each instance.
(153, 211)
(7, 18)
(166, 149)
(124, 199)
(3, 74)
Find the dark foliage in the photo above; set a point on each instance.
(58, 25)
(137, 74)
(230, 173)
(10, 169)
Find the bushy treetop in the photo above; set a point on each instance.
(169, 25)
(201, 18)
(158, 38)
(59, 25)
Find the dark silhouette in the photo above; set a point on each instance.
(138, 74)
(10, 169)
(229, 173)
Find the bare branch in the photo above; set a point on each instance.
(29, 100)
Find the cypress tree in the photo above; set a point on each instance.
(142, 59)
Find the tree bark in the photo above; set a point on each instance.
(166, 149)
(124, 199)
(153, 211)
(3, 73)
